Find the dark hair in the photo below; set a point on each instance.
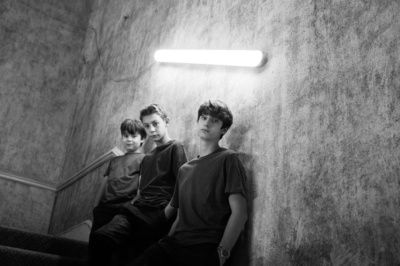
(133, 126)
(153, 109)
(218, 109)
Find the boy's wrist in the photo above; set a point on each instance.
(223, 252)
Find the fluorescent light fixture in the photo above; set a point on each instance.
(246, 58)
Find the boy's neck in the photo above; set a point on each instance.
(164, 140)
(207, 147)
(135, 151)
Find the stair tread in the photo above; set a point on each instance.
(21, 257)
(55, 245)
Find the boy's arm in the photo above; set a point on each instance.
(101, 191)
(169, 211)
(172, 230)
(136, 197)
(235, 223)
(138, 191)
(179, 158)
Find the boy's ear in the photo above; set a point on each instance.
(224, 130)
(166, 121)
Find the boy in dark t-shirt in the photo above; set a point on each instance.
(210, 197)
(122, 175)
(148, 217)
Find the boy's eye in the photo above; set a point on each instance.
(146, 126)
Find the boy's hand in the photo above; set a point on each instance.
(169, 211)
(136, 197)
(223, 254)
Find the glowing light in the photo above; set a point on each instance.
(246, 58)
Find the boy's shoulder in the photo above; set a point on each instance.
(169, 148)
(169, 145)
(129, 156)
(226, 152)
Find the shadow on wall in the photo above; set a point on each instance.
(241, 252)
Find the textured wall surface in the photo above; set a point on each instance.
(39, 58)
(317, 128)
(40, 55)
(29, 209)
(75, 204)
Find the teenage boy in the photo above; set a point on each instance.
(147, 218)
(122, 175)
(210, 198)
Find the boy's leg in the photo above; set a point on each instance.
(103, 214)
(155, 255)
(168, 252)
(104, 241)
(148, 225)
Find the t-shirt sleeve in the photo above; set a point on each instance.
(179, 158)
(138, 164)
(235, 176)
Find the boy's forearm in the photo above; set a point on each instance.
(102, 192)
(235, 223)
(169, 211)
(172, 230)
(136, 197)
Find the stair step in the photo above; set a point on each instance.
(10, 256)
(25, 240)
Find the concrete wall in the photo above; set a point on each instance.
(317, 128)
(40, 57)
(75, 204)
(25, 207)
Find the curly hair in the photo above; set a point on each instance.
(153, 108)
(218, 109)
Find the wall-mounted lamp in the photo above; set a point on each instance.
(245, 58)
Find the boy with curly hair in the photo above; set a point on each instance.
(210, 196)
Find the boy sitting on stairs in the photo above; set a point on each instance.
(148, 217)
(122, 175)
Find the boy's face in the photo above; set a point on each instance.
(209, 128)
(131, 142)
(156, 127)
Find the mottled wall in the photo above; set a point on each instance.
(317, 127)
(75, 204)
(25, 207)
(40, 57)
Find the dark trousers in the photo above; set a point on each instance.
(169, 253)
(130, 232)
(103, 214)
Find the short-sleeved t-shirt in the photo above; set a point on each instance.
(122, 178)
(158, 172)
(201, 194)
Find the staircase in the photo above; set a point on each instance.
(24, 248)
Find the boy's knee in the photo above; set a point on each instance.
(140, 261)
(103, 239)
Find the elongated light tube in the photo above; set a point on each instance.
(245, 58)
